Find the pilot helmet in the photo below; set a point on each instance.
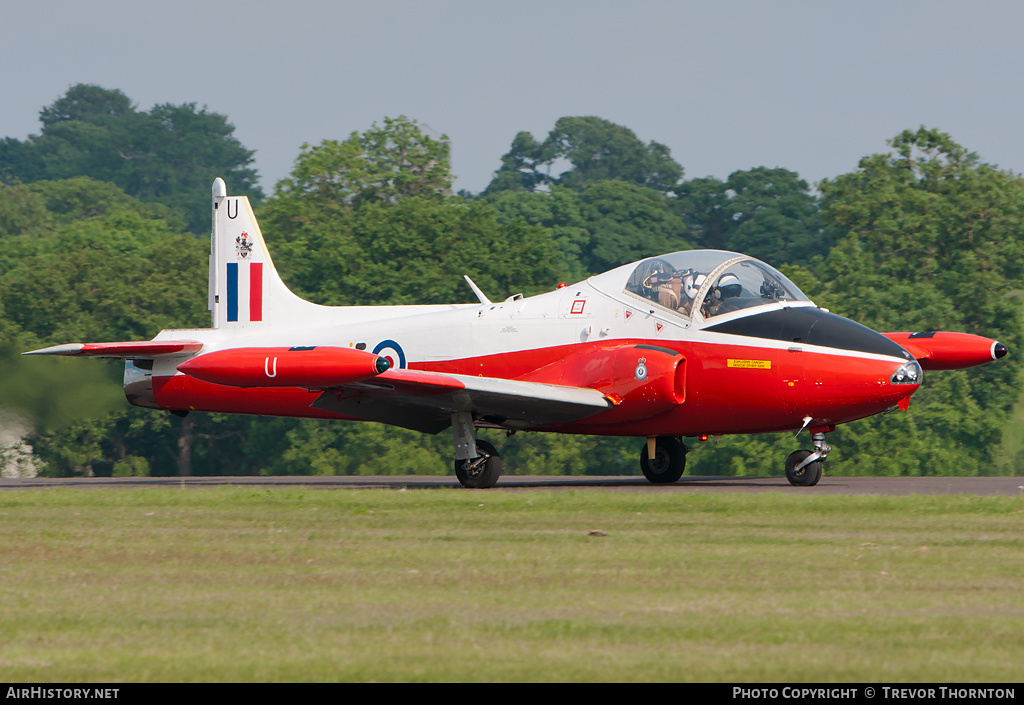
(728, 287)
(692, 284)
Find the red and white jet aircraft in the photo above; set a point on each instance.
(696, 343)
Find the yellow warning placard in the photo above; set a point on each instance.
(751, 364)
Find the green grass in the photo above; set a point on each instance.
(231, 584)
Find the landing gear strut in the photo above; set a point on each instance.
(803, 467)
(477, 463)
(668, 461)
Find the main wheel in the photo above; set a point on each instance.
(808, 475)
(483, 475)
(668, 463)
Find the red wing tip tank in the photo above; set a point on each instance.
(945, 350)
(313, 367)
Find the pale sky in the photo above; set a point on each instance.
(811, 86)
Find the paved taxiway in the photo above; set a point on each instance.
(828, 485)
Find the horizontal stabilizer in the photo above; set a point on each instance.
(126, 350)
(425, 401)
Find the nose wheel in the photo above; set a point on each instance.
(668, 461)
(804, 467)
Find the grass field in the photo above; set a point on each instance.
(231, 584)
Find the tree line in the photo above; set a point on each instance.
(104, 222)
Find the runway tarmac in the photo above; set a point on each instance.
(521, 483)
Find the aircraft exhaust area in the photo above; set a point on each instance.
(891, 486)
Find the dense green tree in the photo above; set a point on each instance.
(766, 213)
(406, 161)
(132, 441)
(22, 210)
(87, 103)
(82, 198)
(367, 221)
(415, 252)
(595, 150)
(703, 206)
(525, 167)
(169, 155)
(383, 164)
(604, 225)
(559, 212)
(627, 222)
(85, 262)
(118, 275)
(599, 150)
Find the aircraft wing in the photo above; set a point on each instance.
(416, 399)
(125, 350)
(425, 401)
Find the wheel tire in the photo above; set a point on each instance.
(668, 464)
(808, 475)
(486, 474)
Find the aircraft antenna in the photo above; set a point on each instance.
(476, 290)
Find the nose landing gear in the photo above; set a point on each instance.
(803, 467)
(663, 459)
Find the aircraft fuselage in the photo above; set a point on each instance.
(664, 376)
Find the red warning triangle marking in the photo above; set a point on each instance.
(628, 314)
(659, 326)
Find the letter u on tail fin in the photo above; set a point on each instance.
(245, 288)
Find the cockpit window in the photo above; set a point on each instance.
(722, 282)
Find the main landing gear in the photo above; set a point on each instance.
(663, 459)
(477, 463)
(482, 471)
(803, 467)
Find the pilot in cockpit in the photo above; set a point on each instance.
(677, 289)
(661, 283)
(724, 282)
(728, 287)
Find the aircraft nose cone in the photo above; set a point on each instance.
(999, 351)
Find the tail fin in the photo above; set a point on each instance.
(245, 288)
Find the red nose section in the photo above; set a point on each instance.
(941, 350)
(312, 367)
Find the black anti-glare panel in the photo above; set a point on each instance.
(812, 326)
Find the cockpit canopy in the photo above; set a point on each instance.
(722, 282)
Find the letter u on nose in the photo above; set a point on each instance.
(266, 367)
